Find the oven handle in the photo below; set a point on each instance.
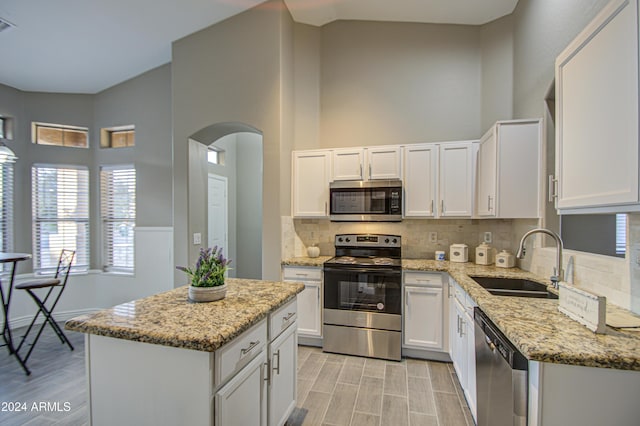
(378, 271)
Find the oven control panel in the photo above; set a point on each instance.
(368, 240)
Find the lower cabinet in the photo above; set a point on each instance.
(424, 314)
(283, 361)
(243, 400)
(309, 301)
(462, 342)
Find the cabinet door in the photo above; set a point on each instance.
(420, 177)
(348, 164)
(456, 179)
(597, 113)
(310, 195)
(243, 400)
(309, 310)
(384, 162)
(470, 389)
(423, 317)
(459, 355)
(283, 362)
(487, 175)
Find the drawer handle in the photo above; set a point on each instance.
(248, 348)
(301, 275)
(288, 317)
(276, 368)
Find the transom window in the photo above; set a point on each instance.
(60, 211)
(60, 135)
(118, 211)
(118, 137)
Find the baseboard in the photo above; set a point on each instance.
(59, 316)
(424, 354)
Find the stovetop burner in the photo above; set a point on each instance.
(367, 250)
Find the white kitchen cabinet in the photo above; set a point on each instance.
(420, 178)
(348, 164)
(597, 115)
(283, 361)
(309, 301)
(384, 162)
(423, 317)
(456, 179)
(310, 183)
(508, 170)
(462, 342)
(243, 400)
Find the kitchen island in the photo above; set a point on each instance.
(166, 360)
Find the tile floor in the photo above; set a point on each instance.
(346, 390)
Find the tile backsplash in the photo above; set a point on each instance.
(298, 234)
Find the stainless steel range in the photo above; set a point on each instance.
(362, 297)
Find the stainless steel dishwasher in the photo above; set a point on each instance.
(501, 376)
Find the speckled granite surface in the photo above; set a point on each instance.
(536, 327)
(170, 319)
(305, 261)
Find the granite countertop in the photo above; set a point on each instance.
(170, 319)
(534, 326)
(305, 261)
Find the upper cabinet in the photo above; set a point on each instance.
(310, 183)
(597, 115)
(348, 164)
(420, 179)
(508, 177)
(366, 163)
(456, 180)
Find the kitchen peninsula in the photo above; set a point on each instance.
(166, 360)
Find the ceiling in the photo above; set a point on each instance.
(79, 46)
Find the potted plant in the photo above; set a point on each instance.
(208, 276)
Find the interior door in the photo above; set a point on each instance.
(217, 212)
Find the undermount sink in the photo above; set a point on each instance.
(514, 287)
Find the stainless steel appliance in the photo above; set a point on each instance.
(355, 201)
(501, 376)
(362, 297)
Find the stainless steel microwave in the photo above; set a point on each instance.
(370, 201)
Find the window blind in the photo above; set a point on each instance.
(6, 209)
(60, 210)
(118, 211)
(621, 234)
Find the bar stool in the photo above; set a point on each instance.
(57, 283)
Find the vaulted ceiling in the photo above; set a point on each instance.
(79, 46)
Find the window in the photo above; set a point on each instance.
(215, 156)
(621, 234)
(60, 135)
(6, 208)
(118, 211)
(118, 137)
(60, 210)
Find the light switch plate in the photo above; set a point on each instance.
(197, 238)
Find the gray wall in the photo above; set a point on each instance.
(235, 71)
(143, 101)
(389, 83)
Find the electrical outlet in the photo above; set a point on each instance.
(197, 238)
(487, 237)
(433, 237)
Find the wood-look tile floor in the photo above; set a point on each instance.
(332, 389)
(346, 390)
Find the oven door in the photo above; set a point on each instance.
(363, 289)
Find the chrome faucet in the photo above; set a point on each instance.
(557, 271)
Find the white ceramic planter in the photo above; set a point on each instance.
(207, 294)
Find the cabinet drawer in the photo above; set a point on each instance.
(282, 318)
(299, 273)
(423, 278)
(236, 354)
